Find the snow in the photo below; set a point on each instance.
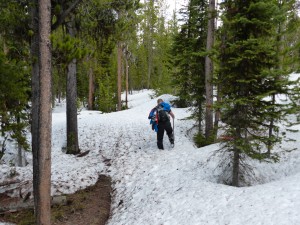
(175, 186)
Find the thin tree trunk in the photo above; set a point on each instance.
(150, 45)
(217, 112)
(35, 86)
(236, 168)
(20, 156)
(59, 88)
(119, 76)
(271, 127)
(130, 84)
(20, 152)
(209, 72)
(149, 66)
(150, 60)
(42, 155)
(72, 127)
(219, 86)
(91, 90)
(126, 81)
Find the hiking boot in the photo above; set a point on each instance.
(160, 145)
(171, 140)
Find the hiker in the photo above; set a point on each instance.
(160, 121)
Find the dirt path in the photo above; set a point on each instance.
(89, 206)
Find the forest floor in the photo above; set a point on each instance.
(89, 206)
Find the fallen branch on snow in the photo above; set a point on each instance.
(17, 204)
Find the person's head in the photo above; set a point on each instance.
(159, 101)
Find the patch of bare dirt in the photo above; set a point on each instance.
(89, 206)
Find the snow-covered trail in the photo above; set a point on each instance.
(119, 136)
(174, 186)
(178, 186)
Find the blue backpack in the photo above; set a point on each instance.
(159, 114)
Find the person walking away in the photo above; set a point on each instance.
(160, 116)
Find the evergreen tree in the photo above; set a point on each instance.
(14, 96)
(248, 79)
(189, 62)
(14, 75)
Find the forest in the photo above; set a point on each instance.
(227, 61)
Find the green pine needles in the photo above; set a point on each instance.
(250, 80)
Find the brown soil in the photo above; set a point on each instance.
(89, 206)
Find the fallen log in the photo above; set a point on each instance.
(17, 204)
(7, 183)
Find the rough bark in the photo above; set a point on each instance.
(72, 127)
(209, 72)
(42, 132)
(35, 87)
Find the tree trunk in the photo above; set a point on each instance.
(20, 152)
(150, 44)
(35, 86)
(72, 128)
(271, 128)
(209, 71)
(59, 88)
(42, 110)
(219, 85)
(119, 76)
(149, 66)
(127, 75)
(217, 111)
(236, 168)
(20, 156)
(150, 60)
(91, 90)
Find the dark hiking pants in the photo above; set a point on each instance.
(162, 127)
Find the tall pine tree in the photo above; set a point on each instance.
(189, 62)
(249, 79)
